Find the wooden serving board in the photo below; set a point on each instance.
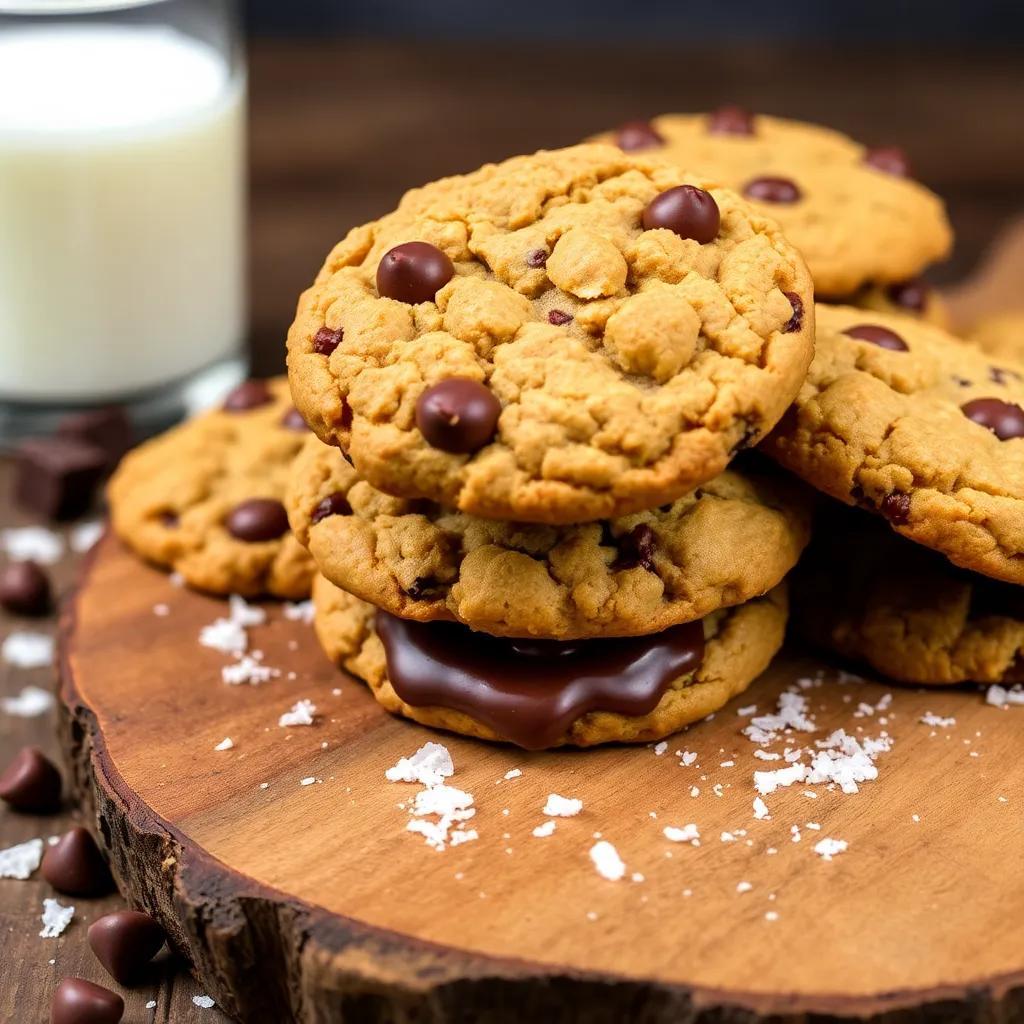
(314, 902)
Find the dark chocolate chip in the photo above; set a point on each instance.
(346, 415)
(559, 318)
(78, 1001)
(636, 549)
(25, 589)
(56, 477)
(771, 189)
(877, 335)
(31, 783)
(458, 415)
(169, 520)
(74, 865)
(636, 135)
(961, 382)
(108, 429)
(125, 942)
(413, 272)
(1000, 375)
(257, 519)
(896, 507)
(325, 341)
(796, 321)
(537, 258)
(731, 120)
(912, 295)
(422, 588)
(333, 505)
(890, 159)
(1004, 419)
(292, 420)
(687, 210)
(250, 394)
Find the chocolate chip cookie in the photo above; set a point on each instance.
(541, 694)
(906, 420)
(904, 610)
(853, 212)
(1001, 335)
(562, 337)
(731, 540)
(205, 498)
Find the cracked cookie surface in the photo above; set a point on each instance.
(740, 643)
(924, 430)
(852, 213)
(904, 610)
(176, 499)
(622, 366)
(733, 539)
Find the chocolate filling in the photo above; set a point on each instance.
(530, 691)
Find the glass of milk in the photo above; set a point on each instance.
(122, 207)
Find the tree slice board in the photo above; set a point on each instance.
(314, 902)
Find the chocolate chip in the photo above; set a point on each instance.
(796, 321)
(912, 295)
(731, 120)
(250, 394)
(1000, 375)
(858, 495)
(169, 520)
(771, 189)
(877, 335)
(687, 210)
(458, 415)
(56, 477)
(413, 272)
(257, 519)
(1004, 419)
(537, 258)
(636, 548)
(31, 783)
(961, 382)
(125, 942)
(890, 159)
(78, 1001)
(333, 505)
(636, 135)
(422, 588)
(325, 341)
(292, 420)
(74, 865)
(108, 429)
(25, 589)
(896, 507)
(559, 318)
(346, 415)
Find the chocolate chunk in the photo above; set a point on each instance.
(1004, 419)
(346, 415)
(325, 341)
(257, 519)
(1000, 375)
(125, 942)
(896, 507)
(250, 394)
(687, 210)
(31, 783)
(877, 335)
(731, 120)
(796, 321)
(108, 429)
(890, 159)
(770, 189)
(169, 520)
(413, 272)
(422, 588)
(25, 589)
(292, 420)
(74, 865)
(333, 505)
(636, 549)
(636, 135)
(56, 477)
(537, 258)
(912, 295)
(78, 1001)
(559, 318)
(458, 415)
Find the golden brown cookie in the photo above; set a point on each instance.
(906, 420)
(739, 643)
(872, 596)
(205, 498)
(1001, 335)
(853, 212)
(915, 298)
(562, 337)
(733, 539)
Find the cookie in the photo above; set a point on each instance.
(904, 610)
(731, 540)
(716, 659)
(1001, 335)
(562, 337)
(908, 421)
(853, 212)
(915, 298)
(205, 498)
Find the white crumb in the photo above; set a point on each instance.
(660, 748)
(225, 636)
(32, 543)
(225, 744)
(761, 810)
(742, 887)
(29, 703)
(204, 1002)
(828, 848)
(686, 834)
(545, 830)
(56, 917)
(307, 781)
(429, 766)
(303, 712)
(84, 536)
(562, 806)
(607, 861)
(21, 860)
(161, 610)
(24, 649)
(513, 773)
(937, 721)
(248, 669)
(299, 611)
(767, 782)
(1001, 697)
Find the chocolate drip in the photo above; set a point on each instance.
(530, 691)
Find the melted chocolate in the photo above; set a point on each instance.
(530, 691)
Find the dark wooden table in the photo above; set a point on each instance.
(340, 130)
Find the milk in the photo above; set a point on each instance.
(121, 210)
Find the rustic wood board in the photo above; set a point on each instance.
(314, 901)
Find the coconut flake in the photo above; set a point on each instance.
(937, 721)
(248, 669)
(1001, 697)
(303, 712)
(429, 766)
(21, 860)
(32, 543)
(828, 848)
(607, 861)
(56, 918)
(225, 744)
(29, 703)
(204, 1002)
(767, 782)
(545, 830)
(25, 649)
(299, 611)
(562, 806)
(686, 834)
(761, 810)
